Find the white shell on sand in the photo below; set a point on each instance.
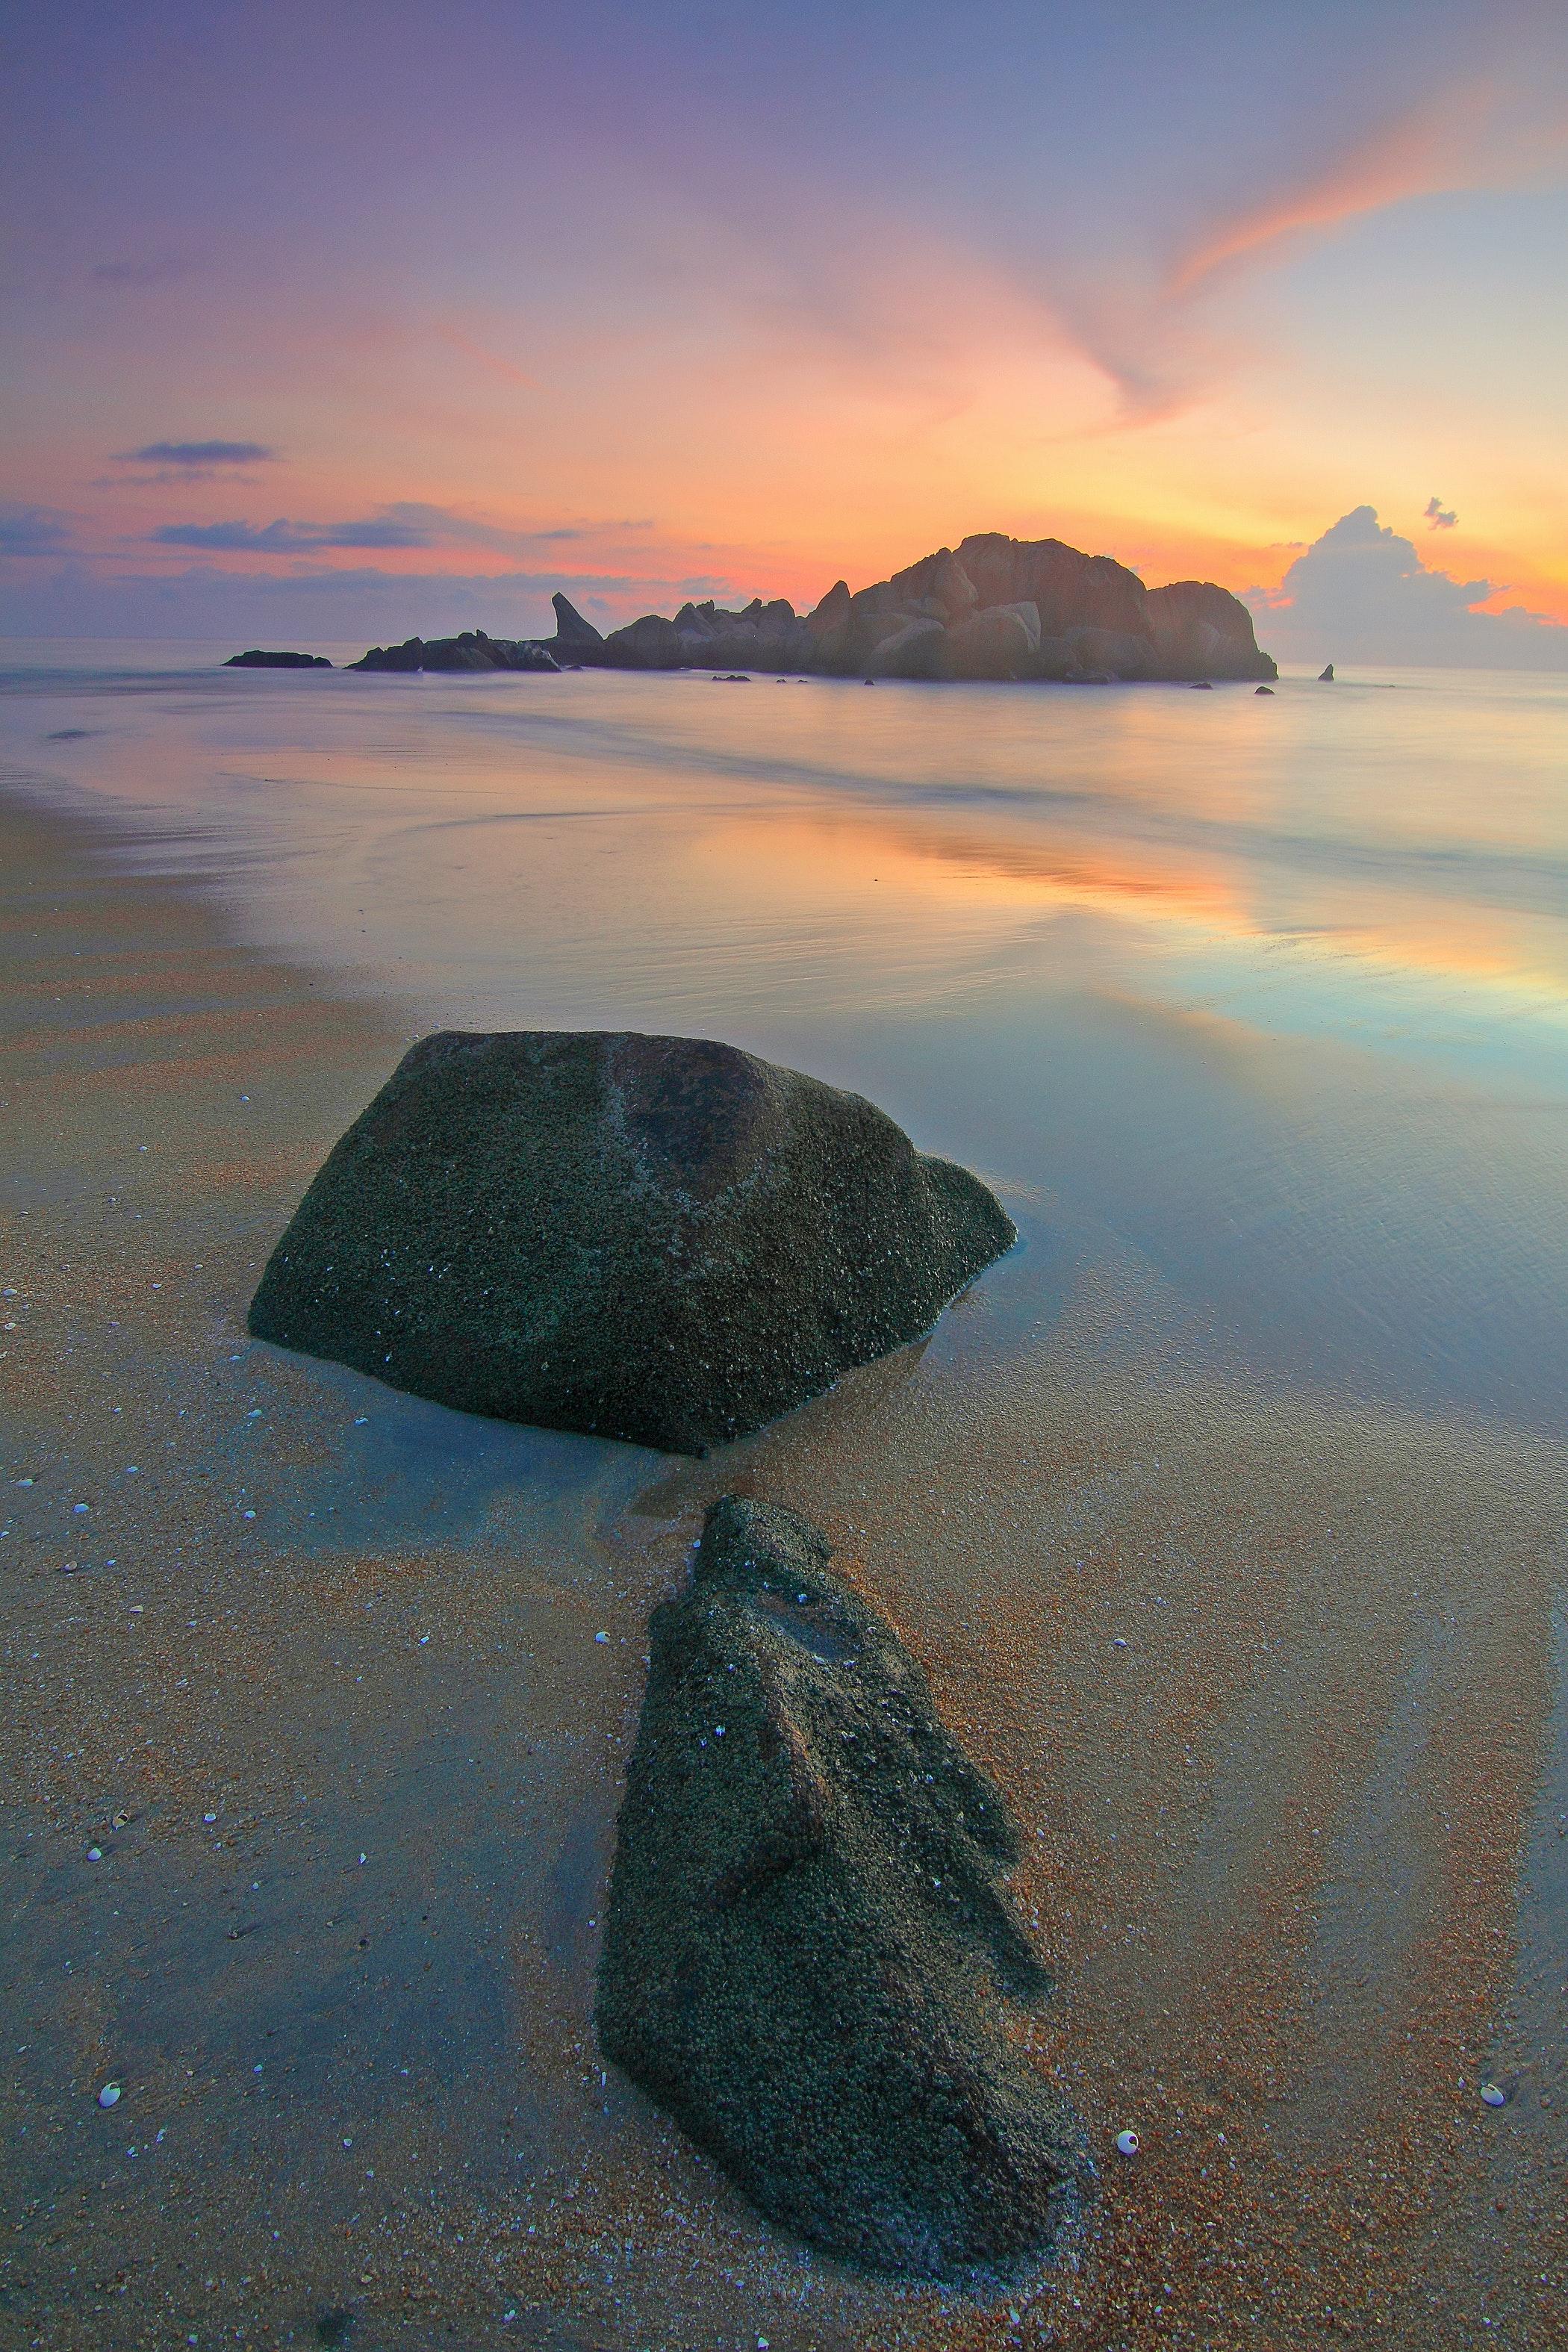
(1493, 2097)
(1127, 2142)
(109, 2096)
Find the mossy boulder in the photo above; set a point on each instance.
(809, 1959)
(656, 1238)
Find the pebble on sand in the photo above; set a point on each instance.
(109, 2096)
(1493, 2095)
(1127, 2142)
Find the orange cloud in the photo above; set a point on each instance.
(1466, 137)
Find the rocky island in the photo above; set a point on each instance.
(993, 608)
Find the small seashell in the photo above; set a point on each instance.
(109, 2096)
(601, 1637)
(1127, 2142)
(1493, 2095)
(95, 1853)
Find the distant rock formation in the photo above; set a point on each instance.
(574, 637)
(257, 659)
(809, 1959)
(992, 608)
(662, 1239)
(473, 650)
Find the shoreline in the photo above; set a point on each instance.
(1339, 1679)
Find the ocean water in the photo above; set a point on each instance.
(1269, 992)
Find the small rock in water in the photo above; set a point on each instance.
(109, 2096)
(1493, 2095)
(1127, 2142)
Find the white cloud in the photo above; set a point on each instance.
(1363, 593)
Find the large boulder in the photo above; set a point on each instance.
(850, 648)
(656, 1238)
(999, 641)
(1202, 631)
(832, 611)
(808, 1958)
(408, 655)
(470, 650)
(1068, 589)
(574, 634)
(937, 584)
(1119, 653)
(650, 643)
(915, 648)
(257, 659)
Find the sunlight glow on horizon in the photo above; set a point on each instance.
(649, 319)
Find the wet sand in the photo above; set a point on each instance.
(1293, 1850)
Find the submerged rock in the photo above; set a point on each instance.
(656, 1238)
(809, 1959)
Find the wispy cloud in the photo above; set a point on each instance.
(1437, 516)
(203, 454)
(33, 530)
(406, 523)
(1157, 340)
(284, 538)
(1412, 155)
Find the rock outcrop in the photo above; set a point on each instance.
(576, 638)
(809, 1959)
(992, 608)
(257, 659)
(473, 650)
(656, 1238)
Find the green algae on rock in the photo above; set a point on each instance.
(656, 1238)
(808, 1958)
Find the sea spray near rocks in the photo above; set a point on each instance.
(809, 1959)
(662, 1239)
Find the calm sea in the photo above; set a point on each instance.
(1268, 994)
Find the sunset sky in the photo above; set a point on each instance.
(340, 321)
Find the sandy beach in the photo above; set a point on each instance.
(316, 1677)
